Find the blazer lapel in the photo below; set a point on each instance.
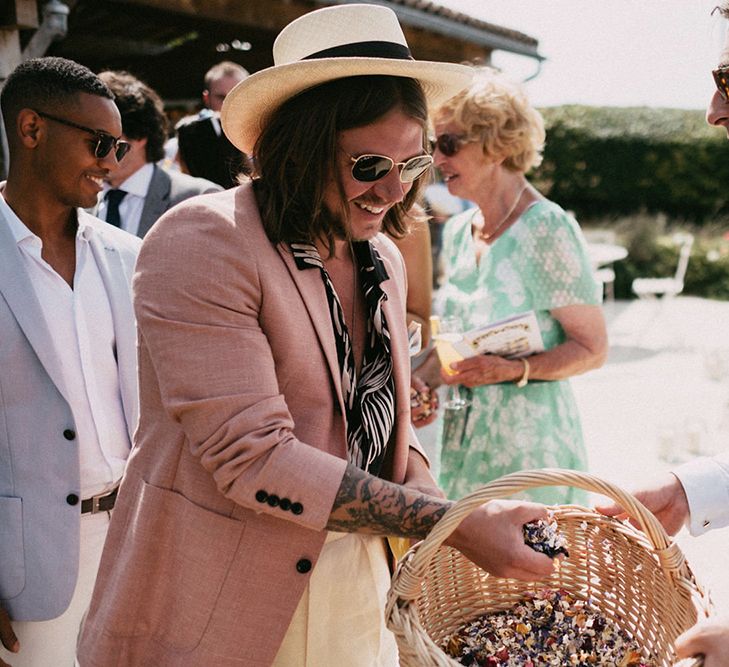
(311, 288)
(116, 283)
(17, 290)
(157, 200)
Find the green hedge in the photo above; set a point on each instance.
(602, 162)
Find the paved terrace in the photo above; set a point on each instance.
(663, 396)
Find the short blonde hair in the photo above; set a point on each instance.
(496, 111)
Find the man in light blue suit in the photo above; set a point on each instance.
(68, 388)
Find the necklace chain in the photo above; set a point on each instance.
(487, 235)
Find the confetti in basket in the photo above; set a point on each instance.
(639, 581)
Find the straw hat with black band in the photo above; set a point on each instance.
(332, 43)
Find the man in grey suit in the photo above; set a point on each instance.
(68, 385)
(139, 191)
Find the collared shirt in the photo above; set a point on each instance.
(706, 483)
(130, 209)
(81, 327)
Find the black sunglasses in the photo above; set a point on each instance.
(721, 79)
(449, 144)
(104, 141)
(369, 168)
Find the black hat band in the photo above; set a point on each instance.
(390, 50)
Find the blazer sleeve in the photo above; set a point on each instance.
(197, 295)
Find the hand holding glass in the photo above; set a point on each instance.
(445, 332)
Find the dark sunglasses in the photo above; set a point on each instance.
(721, 79)
(449, 144)
(370, 168)
(104, 141)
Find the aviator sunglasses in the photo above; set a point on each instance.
(449, 144)
(721, 79)
(104, 141)
(370, 168)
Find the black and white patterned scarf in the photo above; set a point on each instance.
(370, 400)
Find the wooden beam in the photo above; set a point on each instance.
(273, 15)
(432, 46)
(18, 15)
(9, 52)
(9, 60)
(270, 15)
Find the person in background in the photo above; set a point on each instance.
(275, 448)
(68, 363)
(515, 251)
(416, 251)
(138, 191)
(203, 149)
(441, 206)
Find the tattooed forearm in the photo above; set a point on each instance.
(368, 504)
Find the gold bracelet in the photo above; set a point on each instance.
(524, 379)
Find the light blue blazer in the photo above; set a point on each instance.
(39, 457)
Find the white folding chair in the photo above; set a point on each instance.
(606, 276)
(651, 288)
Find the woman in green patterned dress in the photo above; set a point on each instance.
(516, 251)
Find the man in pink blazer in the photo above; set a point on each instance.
(274, 449)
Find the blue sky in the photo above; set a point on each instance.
(611, 52)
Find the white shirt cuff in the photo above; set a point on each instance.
(706, 483)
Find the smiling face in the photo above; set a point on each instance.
(395, 135)
(469, 172)
(64, 162)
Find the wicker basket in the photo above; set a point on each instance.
(638, 580)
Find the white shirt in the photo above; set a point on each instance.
(81, 327)
(706, 482)
(130, 209)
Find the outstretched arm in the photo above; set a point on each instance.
(710, 639)
(665, 498)
(491, 536)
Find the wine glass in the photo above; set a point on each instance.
(445, 332)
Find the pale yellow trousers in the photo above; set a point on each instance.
(340, 618)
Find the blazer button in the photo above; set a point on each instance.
(285, 504)
(297, 508)
(72, 499)
(303, 566)
(69, 434)
(273, 500)
(261, 496)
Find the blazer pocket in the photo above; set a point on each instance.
(179, 555)
(12, 556)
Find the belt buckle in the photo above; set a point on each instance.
(95, 502)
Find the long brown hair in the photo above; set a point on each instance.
(296, 153)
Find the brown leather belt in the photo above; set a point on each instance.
(97, 504)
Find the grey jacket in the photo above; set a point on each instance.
(166, 189)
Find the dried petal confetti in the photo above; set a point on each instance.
(552, 627)
(543, 536)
